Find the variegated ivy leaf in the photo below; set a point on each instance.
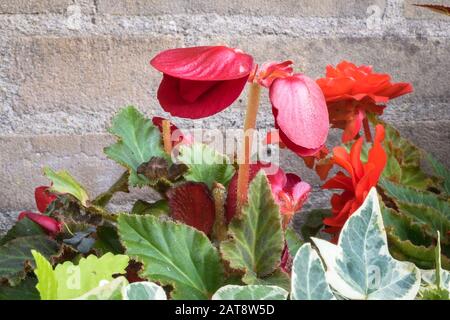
(251, 292)
(360, 266)
(144, 290)
(64, 183)
(308, 276)
(139, 141)
(206, 164)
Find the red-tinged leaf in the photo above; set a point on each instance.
(219, 96)
(436, 8)
(209, 63)
(192, 203)
(300, 113)
(43, 198)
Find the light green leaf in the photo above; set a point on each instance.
(360, 266)
(64, 183)
(139, 141)
(251, 292)
(206, 165)
(75, 280)
(107, 290)
(47, 285)
(293, 240)
(308, 276)
(143, 291)
(256, 239)
(173, 254)
(16, 255)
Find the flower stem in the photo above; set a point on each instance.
(249, 126)
(166, 136)
(367, 132)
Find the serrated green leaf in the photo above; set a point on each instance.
(157, 208)
(173, 254)
(47, 283)
(25, 290)
(442, 172)
(64, 183)
(293, 240)
(22, 228)
(360, 266)
(206, 165)
(108, 290)
(16, 257)
(251, 292)
(409, 195)
(308, 276)
(139, 141)
(256, 239)
(143, 291)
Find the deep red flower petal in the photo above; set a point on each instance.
(50, 225)
(43, 198)
(218, 97)
(301, 112)
(191, 203)
(209, 63)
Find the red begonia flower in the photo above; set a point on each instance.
(50, 225)
(270, 71)
(289, 192)
(43, 198)
(201, 81)
(351, 92)
(176, 135)
(192, 203)
(300, 113)
(357, 184)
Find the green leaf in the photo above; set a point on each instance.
(108, 240)
(293, 240)
(278, 278)
(16, 257)
(22, 228)
(143, 291)
(72, 281)
(139, 141)
(64, 183)
(26, 290)
(47, 285)
(206, 165)
(256, 239)
(158, 208)
(173, 254)
(413, 196)
(442, 172)
(121, 185)
(308, 276)
(252, 292)
(111, 290)
(360, 266)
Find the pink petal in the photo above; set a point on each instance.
(301, 112)
(301, 192)
(210, 63)
(218, 97)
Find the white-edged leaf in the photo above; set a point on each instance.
(360, 266)
(108, 290)
(144, 290)
(308, 276)
(251, 292)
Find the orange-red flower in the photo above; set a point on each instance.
(351, 92)
(357, 184)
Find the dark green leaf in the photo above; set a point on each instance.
(157, 208)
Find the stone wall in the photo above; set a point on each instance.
(68, 65)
